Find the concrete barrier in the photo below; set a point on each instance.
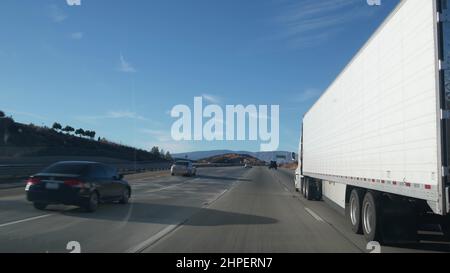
(16, 172)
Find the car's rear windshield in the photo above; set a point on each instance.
(67, 168)
(182, 163)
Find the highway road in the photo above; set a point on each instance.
(228, 209)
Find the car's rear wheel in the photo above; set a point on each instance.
(125, 196)
(92, 203)
(40, 206)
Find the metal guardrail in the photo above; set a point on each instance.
(18, 171)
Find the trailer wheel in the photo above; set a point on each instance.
(354, 210)
(372, 217)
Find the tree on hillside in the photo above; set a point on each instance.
(68, 129)
(56, 126)
(2, 114)
(90, 134)
(168, 156)
(80, 132)
(155, 151)
(162, 153)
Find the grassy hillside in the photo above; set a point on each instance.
(20, 140)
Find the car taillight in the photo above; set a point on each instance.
(33, 181)
(74, 183)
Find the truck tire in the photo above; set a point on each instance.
(318, 190)
(371, 216)
(354, 210)
(302, 186)
(310, 190)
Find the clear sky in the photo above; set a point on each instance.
(119, 66)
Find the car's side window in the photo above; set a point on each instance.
(97, 171)
(112, 173)
(92, 172)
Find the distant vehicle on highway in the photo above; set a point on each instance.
(273, 165)
(248, 166)
(185, 168)
(79, 183)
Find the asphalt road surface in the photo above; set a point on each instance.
(221, 210)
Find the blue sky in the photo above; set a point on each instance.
(118, 67)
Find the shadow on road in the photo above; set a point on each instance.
(169, 214)
(151, 213)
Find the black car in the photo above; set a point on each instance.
(77, 183)
(273, 165)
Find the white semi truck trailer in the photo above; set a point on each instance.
(377, 142)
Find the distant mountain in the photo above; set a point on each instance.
(264, 156)
(232, 158)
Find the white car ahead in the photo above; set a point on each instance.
(183, 168)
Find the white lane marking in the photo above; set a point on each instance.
(313, 214)
(25, 220)
(150, 241)
(155, 238)
(208, 203)
(171, 186)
